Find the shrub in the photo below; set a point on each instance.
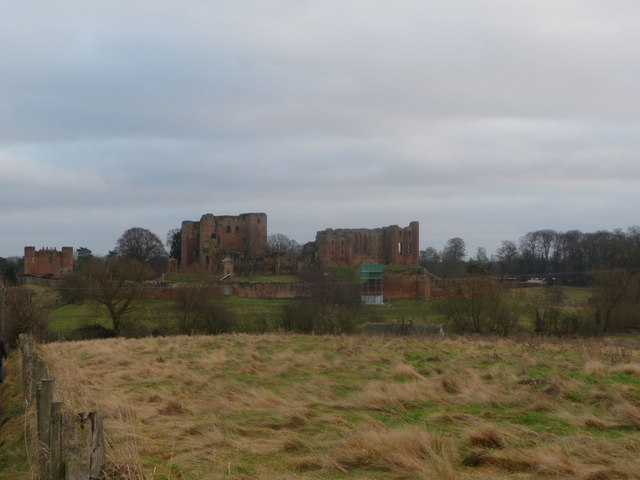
(201, 312)
(26, 312)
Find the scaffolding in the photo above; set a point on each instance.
(372, 288)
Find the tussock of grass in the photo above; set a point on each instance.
(595, 367)
(383, 395)
(280, 406)
(628, 414)
(402, 370)
(486, 437)
(401, 449)
(627, 368)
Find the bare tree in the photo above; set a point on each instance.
(117, 284)
(174, 243)
(282, 245)
(453, 257)
(140, 244)
(481, 255)
(615, 300)
(545, 240)
(285, 250)
(507, 256)
(143, 246)
(431, 260)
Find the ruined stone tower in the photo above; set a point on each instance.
(207, 243)
(350, 247)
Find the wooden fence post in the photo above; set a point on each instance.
(27, 349)
(96, 446)
(39, 372)
(43, 415)
(82, 446)
(56, 465)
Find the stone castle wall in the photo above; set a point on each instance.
(351, 247)
(48, 261)
(207, 242)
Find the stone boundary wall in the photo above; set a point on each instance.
(270, 290)
(71, 445)
(396, 285)
(406, 284)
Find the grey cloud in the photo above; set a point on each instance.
(481, 119)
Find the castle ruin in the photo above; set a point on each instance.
(351, 247)
(48, 261)
(226, 244)
(238, 242)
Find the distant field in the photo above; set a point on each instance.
(253, 314)
(185, 277)
(309, 407)
(71, 317)
(257, 315)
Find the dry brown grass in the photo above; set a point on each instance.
(275, 406)
(628, 368)
(594, 367)
(402, 370)
(485, 437)
(398, 450)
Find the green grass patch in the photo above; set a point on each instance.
(268, 278)
(72, 317)
(407, 310)
(344, 274)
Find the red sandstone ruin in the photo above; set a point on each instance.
(215, 240)
(48, 261)
(351, 247)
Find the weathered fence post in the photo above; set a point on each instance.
(40, 371)
(96, 454)
(44, 402)
(28, 352)
(56, 464)
(82, 446)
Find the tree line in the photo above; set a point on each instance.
(540, 253)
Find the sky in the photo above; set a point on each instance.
(481, 119)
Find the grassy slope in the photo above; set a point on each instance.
(274, 406)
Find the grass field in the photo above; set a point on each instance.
(311, 407)
(259, 315)
(185, 277)
(253, 314)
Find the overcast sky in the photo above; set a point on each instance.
(483, 119)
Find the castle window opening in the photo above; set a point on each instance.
(409, 249)
(213, 235)
(399, 247)
(228, 228)
(237, 228)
